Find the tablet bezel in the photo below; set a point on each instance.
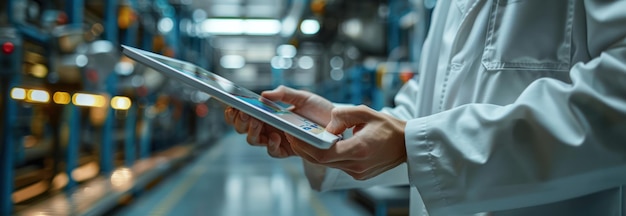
(323, 140)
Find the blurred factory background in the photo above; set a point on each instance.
(87, 131)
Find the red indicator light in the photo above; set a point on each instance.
(202, 110)
(8, 47)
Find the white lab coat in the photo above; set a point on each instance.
(520, 109)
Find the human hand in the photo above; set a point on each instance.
(259, 133)
(304, 103)
(377, 145)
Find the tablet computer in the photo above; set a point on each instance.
(236, 96)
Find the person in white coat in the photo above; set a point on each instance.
(519, 109)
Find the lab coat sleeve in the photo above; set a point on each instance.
(324, 179)
(556, 141)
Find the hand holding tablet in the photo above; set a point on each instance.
(237, 97)
(259, 133)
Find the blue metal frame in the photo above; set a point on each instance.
(107, 146)
(356, 86)
(130, 38)
(7, 139)
(146, 41)
(145, 137)
(7, 148)
(168, 11)
(73, 144)
(130, 147)
(393, 26)
(277, 77)
(130, 34)
(27, 30)
(146, 133)
(176, 17)
(32, 33)
(74, 10)
(110, 21)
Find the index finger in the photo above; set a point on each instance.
(287, 95)
(229, 115)
(343, 118)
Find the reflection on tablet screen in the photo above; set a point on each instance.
(241, 93)
(227, 86)
(272, 108)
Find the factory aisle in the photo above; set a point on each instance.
(233, 178)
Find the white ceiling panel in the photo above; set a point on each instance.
(242, 8)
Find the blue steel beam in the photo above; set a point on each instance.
(9, 78)
(146, 126)
(130, 35)
(130, 146)
(7, 146)
(146, 133)
(146, 41)
(110, 21)
(32, 33)
(73, 144)
(178, 49)
(74, 10)
(107, 146)
(277, 77)
(393, 25)
(130, 38)
(27, 30)
(356, 84)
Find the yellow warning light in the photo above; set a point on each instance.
(18, 93)
(126, 17)
(39, 96)
(120, 103)
(39, 70)
(61, 98)
(89, 100)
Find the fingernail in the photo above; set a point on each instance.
(254, 124)
(244, 117)
(273, 142)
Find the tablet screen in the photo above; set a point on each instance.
(241, 93)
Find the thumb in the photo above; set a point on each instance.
(343, 118)
(287, 95)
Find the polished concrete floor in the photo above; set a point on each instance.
(232, 178)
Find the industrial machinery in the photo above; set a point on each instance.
(76, 112)
(84, 126)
